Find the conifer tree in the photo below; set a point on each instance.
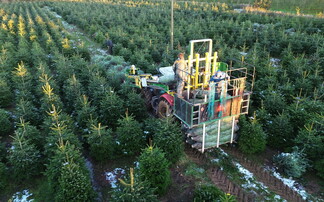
(74, 184)
(72, 90)
(167, 135)
(24, 158)
(101, 143)
(252, 139)
(130, 136)
(135, 190)
(84, 114)
(31, 133)
(5, 123)
(6, 96)
(67, 175)
(111, 109)
(154, 168)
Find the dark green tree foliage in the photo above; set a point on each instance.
(27, 110)
(5, 123)
(72, 90)
(130, 136)
(274, 103)
(58, 127)
(3, 176)
(154, 168)
(134, 191)
(84, 113)
(6, 96)
(64, 68)
(166, 135)
(135, 104)
(23, 51)
(101, 143)
(74, 184)
(98, 90)
(252, 139)
(64, 153)
(22, 80)
(37, 54)
(111, 109)
(303, 111)
(280, 132)
(291, 164)
(311, 140)
(24, 158)
(207, 193)
(31, 133)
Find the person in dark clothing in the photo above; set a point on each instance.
(110, 46)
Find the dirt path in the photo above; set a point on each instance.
(273, 183)
(219, 178)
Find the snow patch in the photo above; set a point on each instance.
(215, 160)
(113, 176)
(274, 62)
(243, 53)
(290, 183)
(136, 163)
(252, 183)
(238, 10)
(22, 196)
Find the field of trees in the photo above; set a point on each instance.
(63, 107)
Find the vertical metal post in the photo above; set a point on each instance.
(171, 25)
(203, 140)
(207, 70)
(197, 71)
(189, 76)
(218, 134)
(214, 63)
(233, 123)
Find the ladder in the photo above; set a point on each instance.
(245, 103)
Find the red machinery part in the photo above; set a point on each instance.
(168, 98)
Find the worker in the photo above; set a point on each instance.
(133, 70)
(180, 68)
(109, 44)
(219, 76)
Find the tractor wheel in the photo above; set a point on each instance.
(148, 98)
(164, 109)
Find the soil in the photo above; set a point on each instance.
(255, 163)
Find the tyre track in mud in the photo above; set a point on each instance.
(223, 182)
(218, 177)
(274, 184)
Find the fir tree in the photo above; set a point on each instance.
(101, 143)
(74, 184)
(167, 135)
(24, 158)
(252, 139)
(72, 90)
(130, 136)
(6, 95)
(133, 191)
(64, 153)
(111, 109)
(5, 123)
(154, 168)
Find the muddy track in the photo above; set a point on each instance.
(264, 176)
(219, 178)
